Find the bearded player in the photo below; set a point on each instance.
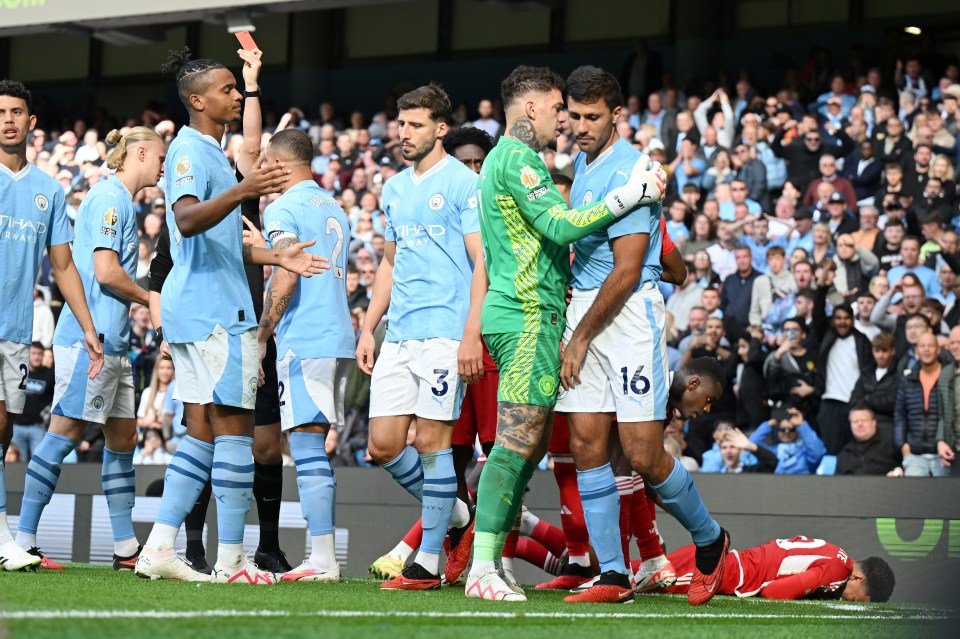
(526, 228)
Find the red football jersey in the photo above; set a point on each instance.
(666, 244)
(793, 568)
(779, 569)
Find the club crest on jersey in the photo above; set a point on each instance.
(41, 201)
(435, 202)
(97, 403)
(587, 198)
(548, 385)
(528, 177)
(110, 217)
(183, 166)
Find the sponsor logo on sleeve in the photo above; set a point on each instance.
(41, 202)
(528, 177)
(105, 230)
(536, 193)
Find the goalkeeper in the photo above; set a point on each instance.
(526, 230)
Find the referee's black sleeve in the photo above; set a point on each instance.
(162, 262)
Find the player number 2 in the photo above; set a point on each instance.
(639, 384)
(23, 380)
(441, 387)
(283, 402)
(333, 224)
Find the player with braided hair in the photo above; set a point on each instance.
(209, 323)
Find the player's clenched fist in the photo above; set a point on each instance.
(647, 184)
(365, 347)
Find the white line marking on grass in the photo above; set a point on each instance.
(373, 614)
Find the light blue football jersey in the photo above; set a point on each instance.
(593, 255)
(33, 217)
(207, 286)
(317, 323)
(427, 216)
(105, 220)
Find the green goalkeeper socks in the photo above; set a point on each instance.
(497, 497)
(519, 492)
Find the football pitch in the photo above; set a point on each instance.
(94, 601)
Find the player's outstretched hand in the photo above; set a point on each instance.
(266, 179)
(365, 347)
(294, 259)
(470, 359)
(570, 363)
(95, 351)
(252, 235)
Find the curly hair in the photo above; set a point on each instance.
(467, 135)
(880, 579)
(16, 89)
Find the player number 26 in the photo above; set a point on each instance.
(638, 383)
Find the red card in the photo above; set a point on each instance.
(246, 40)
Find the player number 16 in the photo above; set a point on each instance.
(639, 384)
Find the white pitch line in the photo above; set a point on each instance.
(192, 614)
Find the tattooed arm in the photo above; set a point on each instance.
(289, 255)
(278, 296)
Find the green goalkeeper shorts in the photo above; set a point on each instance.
(529, 365)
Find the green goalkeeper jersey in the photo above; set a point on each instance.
(526, 229)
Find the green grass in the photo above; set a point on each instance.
(312, 610)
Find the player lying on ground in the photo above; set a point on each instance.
(797, 568)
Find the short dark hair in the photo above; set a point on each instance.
(883, 341)
(880, 579)
(16, 89)
(352, 268)
(776, 250)
(526, 79)
(921, 317)
(861, 407)
(589, 84)
(294, 145)
(35, 344)
(467, 135)
(561, 179)
(808, 294)
(845, 307)
(707, 368)
(431, 97)
(191, 75)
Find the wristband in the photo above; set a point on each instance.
(159, 334)
(252, 94)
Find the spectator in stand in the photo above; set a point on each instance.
(822, 243)
(31, 424)
(655, 115)
(933, 311)
(910, 252)
(733, 444)
(356, 294)
(143, 348)
(758, 241)
(43, 321)
(753, 173)
(917, 171)
(839, 219)
(684, 299)
(827, 165)
(877, 387)
(738, 197)
(802, 235)
(796, 445)
(723, 122)
(893, 146)
(866, 236)
(863, 171)
(776, 282)
(703, 272)
(685, 130)
(676, 225)
(865, 303)
(486, 121)
(845, 354)
(855, 266)
(948, 283)
(722, 258)
(710, 301)
(870, 452)
(923, 411)
(887, 247)
(803, 154)
(151, 409)
(751, 396)
(790, 370)
(152, 449)
(686, 167)
(932, 207)
(720, 172)
(735, 297)
(703, 235)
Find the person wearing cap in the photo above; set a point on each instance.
(802, 236)
(837, 92)
(838, 218)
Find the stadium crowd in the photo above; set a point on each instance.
(818, 222)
